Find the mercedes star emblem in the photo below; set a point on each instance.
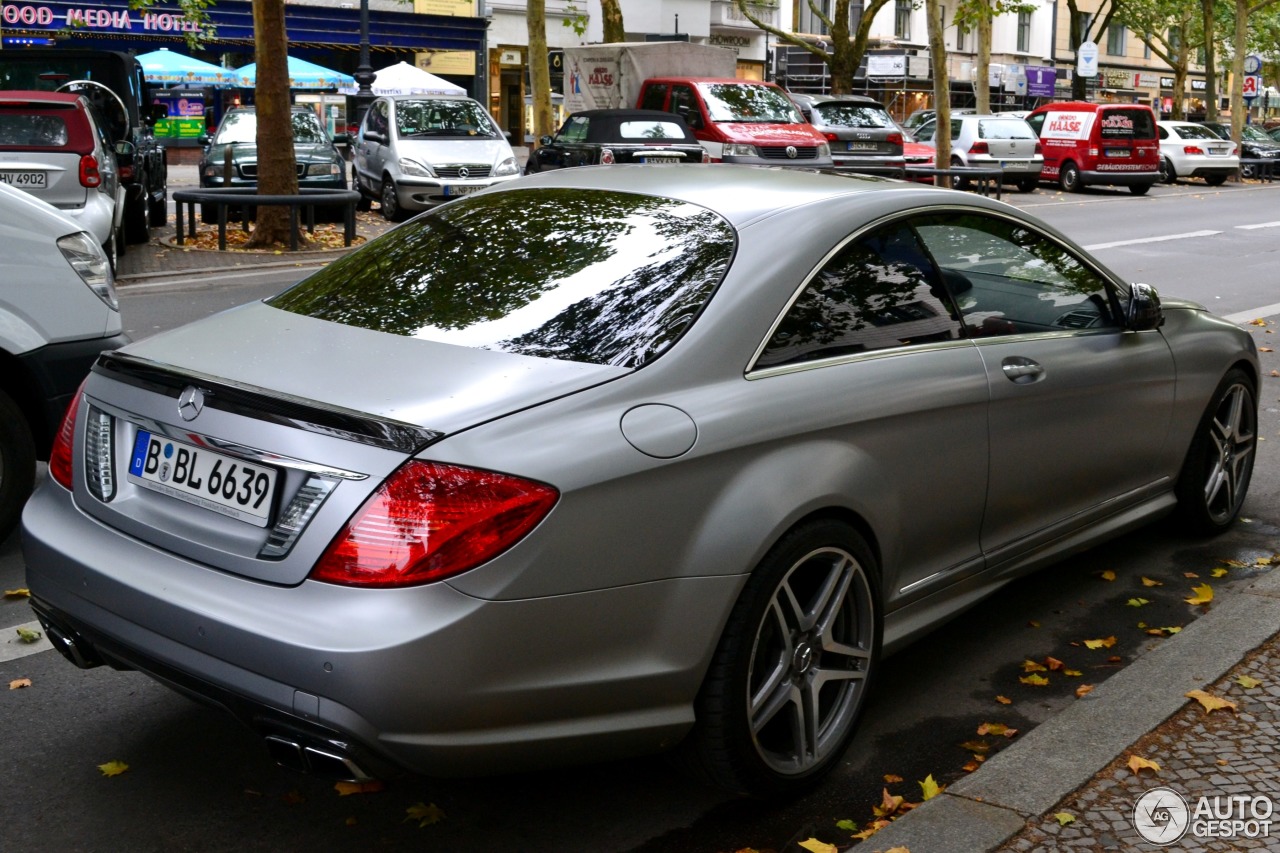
(464, 172)
(190, 403)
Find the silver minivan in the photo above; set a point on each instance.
(417, 151)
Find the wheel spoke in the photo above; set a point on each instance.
(775, 694)
(830, 600)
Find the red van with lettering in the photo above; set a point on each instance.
(740, 121)
(1087, 144)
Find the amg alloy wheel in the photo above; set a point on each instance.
(791, 673)
(1215, 477)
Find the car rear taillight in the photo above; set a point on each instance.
(1192, 149)
(894, 139)
(831, 137)
(89, 175)
(1039, 150)
(606, 156)
(430, 521)
(126, 173)
(979, 147)
(61, 452)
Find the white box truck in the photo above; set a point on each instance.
(608, 76)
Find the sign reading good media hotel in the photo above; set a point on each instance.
(96, 18)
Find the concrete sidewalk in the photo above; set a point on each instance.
(1077, 763)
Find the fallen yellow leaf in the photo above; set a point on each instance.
(888, 805)
(817, 846)
(1265, 349)
(891, 778)
(1203, 594)
(1210, 702)
(1034, 680)
(1004, 700)
(1104, 643)
(26, 635)
(897, 850)
(1053, 663)
(1034, 624)
(1149, 582)
(113, 768)
(976, 746)
(929, 788)
(1137, 764)
(1064, 818)
(995, 729)
(1074, 673)
(1258, 322)
(1032, 666)
(1083, 690)
(1243, 680)
(19, 683)
(1108, 575)
(20, 592)
(871, 829)
(424, 814)
(1137, 602)
(1190, 575)
(1219, 572)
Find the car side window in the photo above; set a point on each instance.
(683, 102)
(1036, 122)
(574, 130)
(1164, 134)
(1009, 279)
(878, 292)
(655, 97)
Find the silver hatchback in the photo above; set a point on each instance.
(992, 141)
(417, 151)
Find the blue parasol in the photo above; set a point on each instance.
(302, 75)
(164, 66)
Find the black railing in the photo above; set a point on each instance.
(1262, 168)
(248, 199)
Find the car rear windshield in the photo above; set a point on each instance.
(747, 102)
(646, 130)
(25, 127)
(1195, 131)
(1127, 124)
(577, 275)
(1005, 128)
(852, 115)
(241, 126)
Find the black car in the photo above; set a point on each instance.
(604, 137)
(1255, 144)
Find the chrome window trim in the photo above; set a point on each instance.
(752, 372)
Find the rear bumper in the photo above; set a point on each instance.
(97, 216)
(1121, 179)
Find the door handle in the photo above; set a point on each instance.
(1022, 371)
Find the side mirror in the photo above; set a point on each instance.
(125, 148)
(1143, 312)
(341, 139)
(544, 140)
(374, 136)
(205, 139)
(157, 112)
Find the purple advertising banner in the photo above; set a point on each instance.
(1040, 80)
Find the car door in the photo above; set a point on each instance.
(873, 359)
(371, 147)
(566, 147)
(1080, 406)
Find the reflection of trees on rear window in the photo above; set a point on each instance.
(1005, 129)
(32, 131)
(852, 115)
(1127, 124)
(877, 293)
(241, 127)
(748, 103)
(650, 130)
(576, 275)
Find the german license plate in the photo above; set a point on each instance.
(198, 475)
(25, 180)
(1117, 152)
(1217, 149)
(461, 189)
(659, 159)
(860, 146)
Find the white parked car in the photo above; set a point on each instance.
(58, 310)
(990, 141)
(54, 146)
(417, 151)
(1191, 150)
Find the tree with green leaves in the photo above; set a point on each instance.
(977, 15)
(846, 49)
(1240, 48)
(1174, 30)
(1090, 29)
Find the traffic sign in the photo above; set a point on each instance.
(1252, 86)
(1087, 59)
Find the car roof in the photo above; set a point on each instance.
(36, 96)
(740, 194)
(834, 99)
(629, 113)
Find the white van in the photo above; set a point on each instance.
(418, 151)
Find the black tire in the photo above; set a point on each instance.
(1248, 171)
(1069, 178)
(1028, 185)
(160, 209)
(17, 464)
(390, 201)
(958, 183)
(1167, 173)
(1215, 180)
(365, 204)
(1139, 189)
(797, 655)
(137, 215)
(1219, 465)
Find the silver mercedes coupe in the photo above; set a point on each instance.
(616, 460)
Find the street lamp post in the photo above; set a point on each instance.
(364, 71)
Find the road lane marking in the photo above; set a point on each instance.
(1253, 313)
(1165, 238)
(1259, 225)
(11, 648)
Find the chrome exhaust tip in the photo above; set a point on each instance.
(327, 761)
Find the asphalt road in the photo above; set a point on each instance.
(197, 781)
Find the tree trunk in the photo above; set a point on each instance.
(277, 169)
(611, 18)
(941, 84)
(1241, 47)
(1210, 74)
(844, 56)
(1179, 85)
(982, 77)
(539, 71)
